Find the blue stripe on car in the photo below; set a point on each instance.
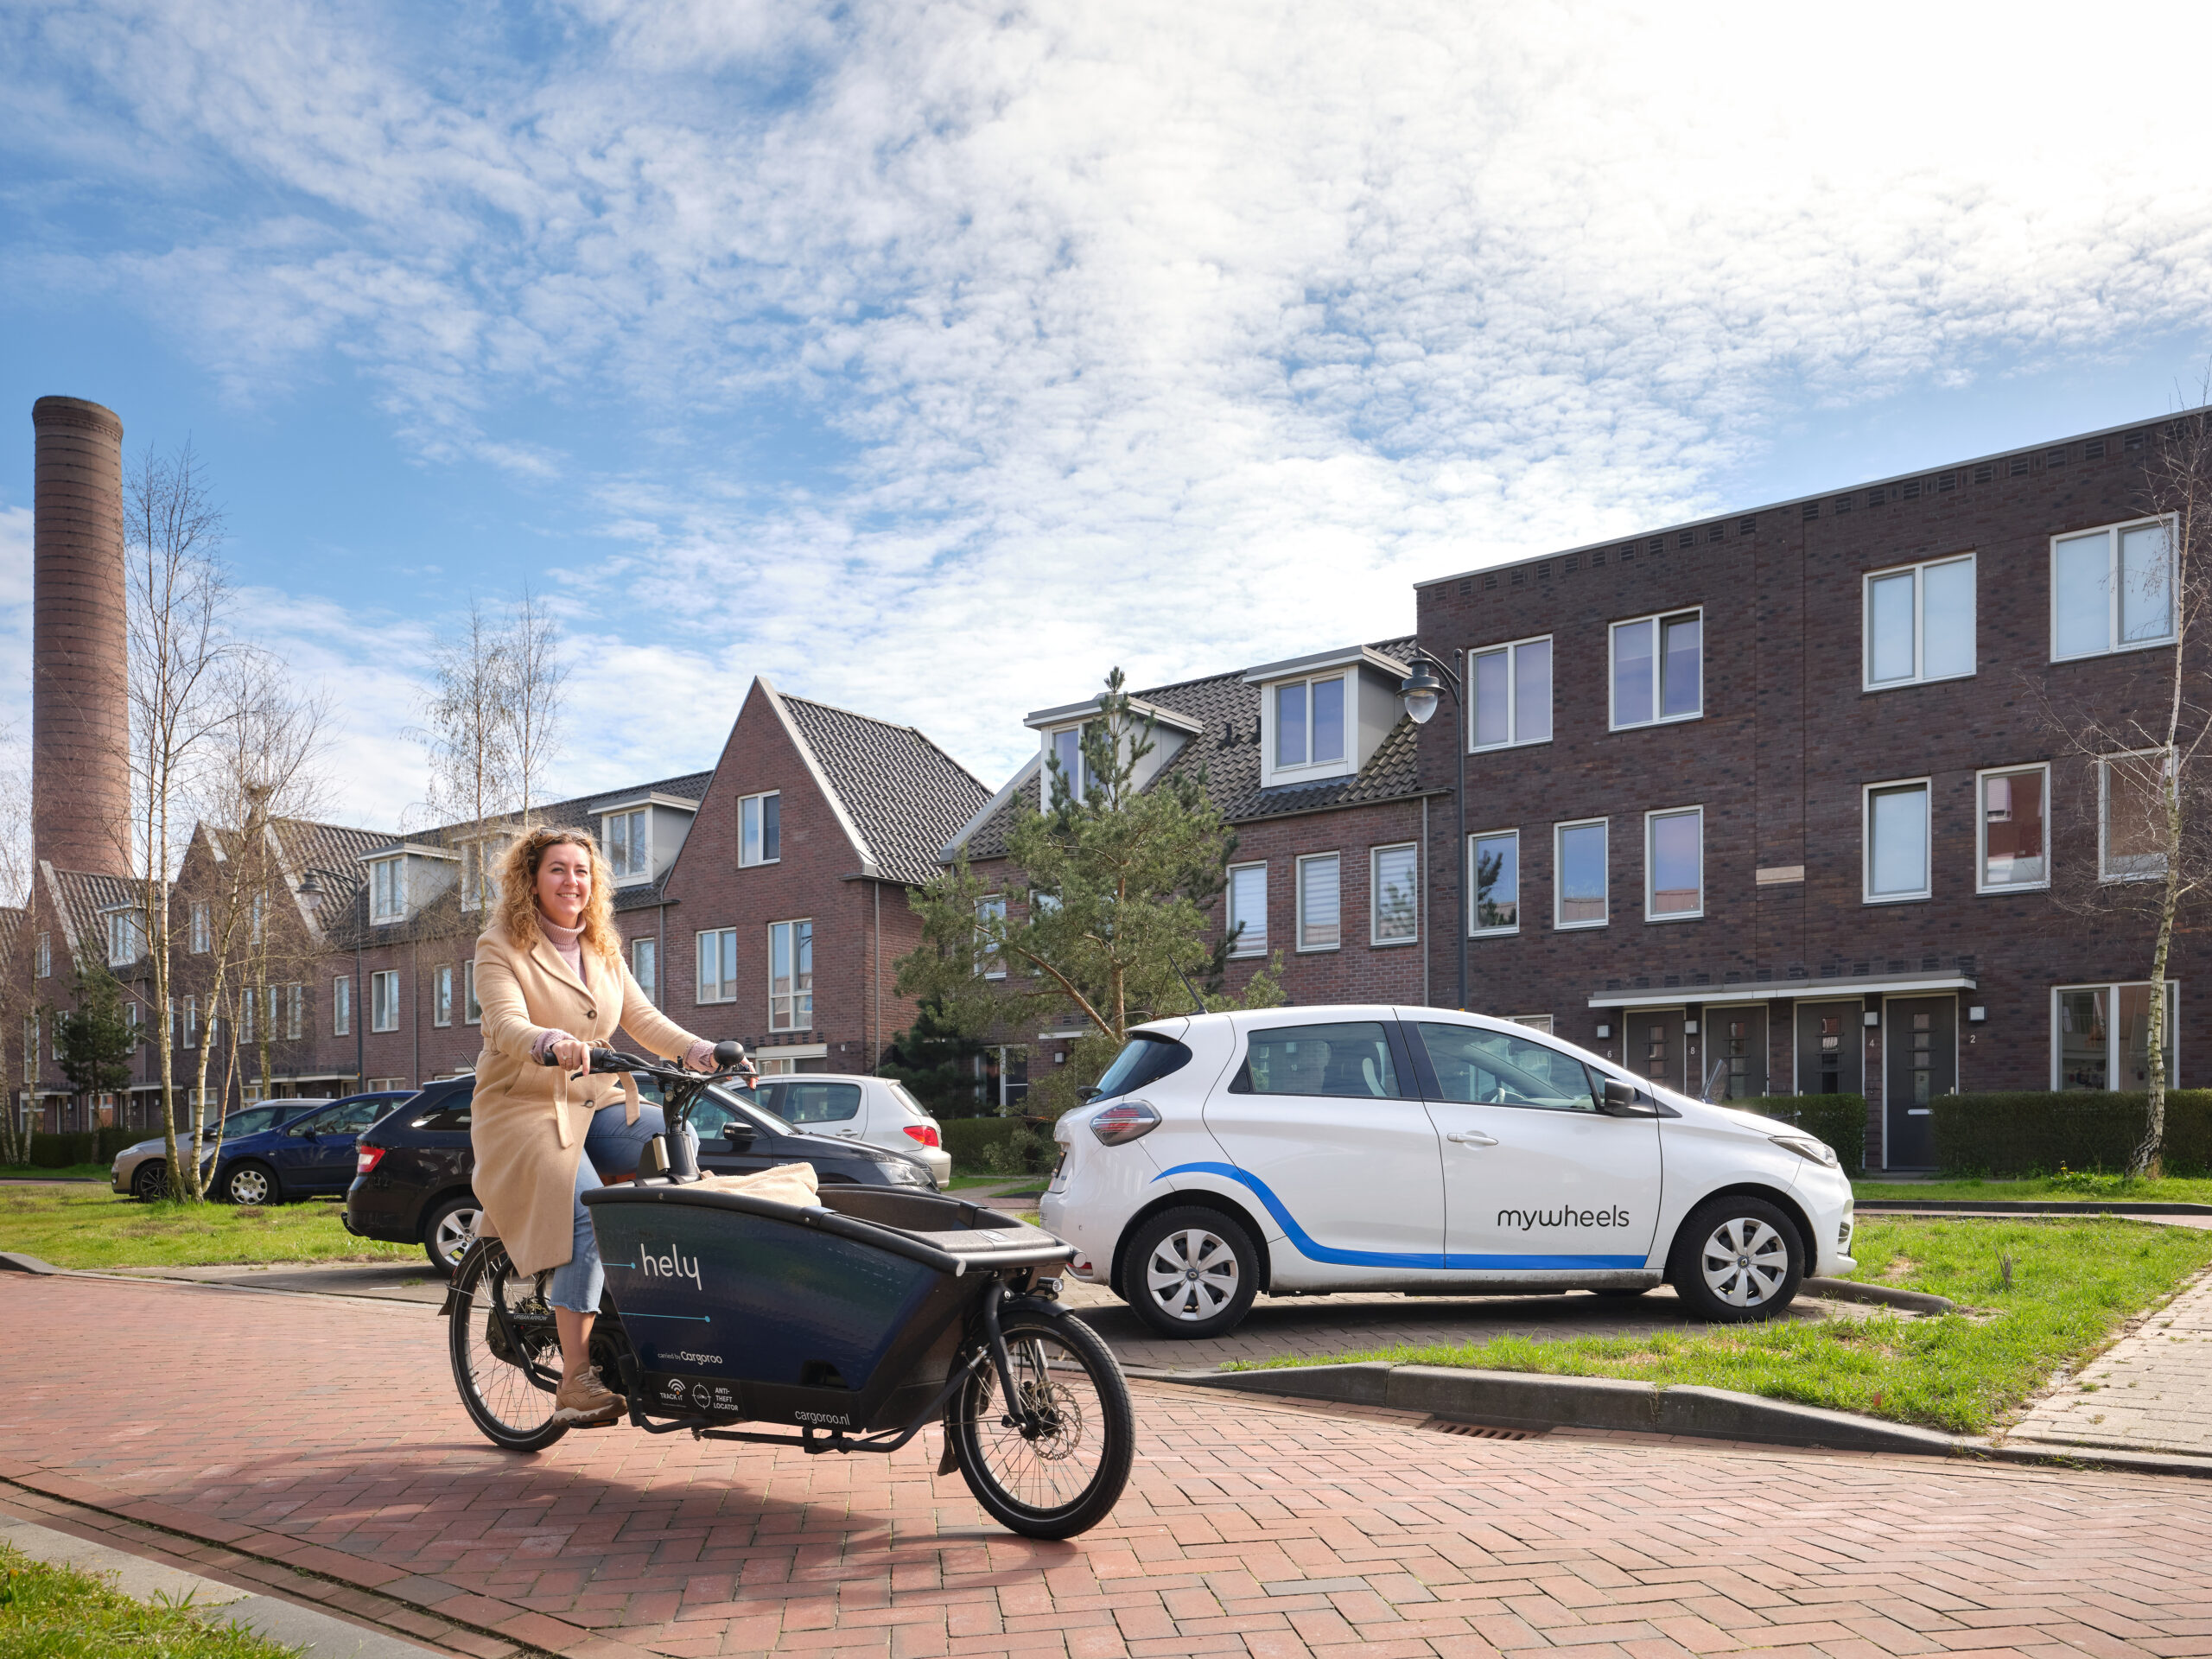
(1315, 1251)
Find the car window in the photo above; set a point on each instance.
(1352, 1059)
(1492, 1068)
(353, 1119)
(728, 1103)
(447, 1119)
(253, 1120)
(819, 1102)
(321, 1122)
(904, 1098)
(1144, 1059)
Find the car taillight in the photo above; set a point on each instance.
(366, 1158)
(1124, 1122)
(927, 1134)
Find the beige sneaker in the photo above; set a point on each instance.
(585, 1401)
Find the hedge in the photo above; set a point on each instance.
(1840, 1120)
(967, 1138)
(81, 1147)
(2036, 1133)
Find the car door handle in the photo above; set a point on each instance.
(1471, 1138)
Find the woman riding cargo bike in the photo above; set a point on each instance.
(857, 1316)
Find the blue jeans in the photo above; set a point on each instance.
(612, 1148)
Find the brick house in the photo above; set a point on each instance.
(1777, 790)
(1311, 761)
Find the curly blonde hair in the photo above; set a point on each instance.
(517, 877)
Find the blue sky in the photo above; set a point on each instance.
(933, 358)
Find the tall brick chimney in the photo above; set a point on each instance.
(80, 715)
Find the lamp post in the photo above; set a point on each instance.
(311, 889)
(1421, 691)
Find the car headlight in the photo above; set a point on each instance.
(1805, 1146)
(1120, 1124)
(904, 1174)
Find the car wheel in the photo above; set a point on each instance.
(1191, 1272)
(151, 1181)
(250, 1183)
(449, 1231)
(1736, 1259)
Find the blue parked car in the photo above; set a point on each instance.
(304, 1155)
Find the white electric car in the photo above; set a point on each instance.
(1316, 1149)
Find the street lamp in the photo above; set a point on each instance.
(311, 889)
(1421, 691)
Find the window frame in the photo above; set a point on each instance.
(1658, 620)
(1349, 710)
(648, 982)
(388, 977)
(1651, 889)
(1981, 883)
(1078, 777)
(1229, 917)
(341, 1005)
(1475, 929)
(2105, 877)
(989, 965)
(795, 993)
(471, 1011)
(1917, 570)
(191, 1027)
(1510, 649)
(758, 801)
(2113, 1056)
(1866, 793)
(1375, 939)
(1298, 928)
(2113, 645)
(1604, 826)
(728, 991)
(398, 868)
(45, 955)
(441, 995)
(638, 819)
(199, 934)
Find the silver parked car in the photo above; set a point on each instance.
(856, 1107)
(143, 1170)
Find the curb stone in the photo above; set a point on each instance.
(1850, 1290)
(17, 1262)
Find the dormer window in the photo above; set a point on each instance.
(126, 940)
(388, 890)
(1067, 750)
(1310, 723)
(629, 846)
(478, 886)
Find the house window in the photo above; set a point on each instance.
(1248, 910)
(1320, 906)
(2100, 1036)
(1310, 723)
(791, 975)
(1535, 1021)
(192, 1022)
(759, 829)
(254, 926)
(46, 955)
(197, 930)
(990, 916)
(644, 966)
(294, 1001)
(383, 1000)
(441, 995)
(1494, 877)
(341, 1006)
(1896, 826)
(2013, 850)
(1920, 623)
(1658, 668)
(2111, 590)
(1511, 701)
(628, 852)
(30, 1048)
(478, 886)
(472, 1013)
(1067, 754)
(1673, 865)
(1394, 916)
(125, 939)
(387, 891)
(718, 965)
(2132, 803)
(1578, 880)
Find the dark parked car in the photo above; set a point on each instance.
(411, 1185)
(302, 1156)
(143, 1170)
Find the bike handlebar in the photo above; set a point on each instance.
(729, 1059)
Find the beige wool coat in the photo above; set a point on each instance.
(527, 1122)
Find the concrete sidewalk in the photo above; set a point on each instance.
(2151, 1391)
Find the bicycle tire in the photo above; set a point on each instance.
(1018, 1485)
(506, 1404)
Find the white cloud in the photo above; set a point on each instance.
(1170, 336)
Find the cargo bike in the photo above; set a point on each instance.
(857, 1322)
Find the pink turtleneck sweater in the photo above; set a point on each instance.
(569, 941)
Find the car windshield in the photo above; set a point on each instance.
(253, 1120)
(713, 1109)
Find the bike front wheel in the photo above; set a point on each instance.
(1064, 1471)
(506, 1354)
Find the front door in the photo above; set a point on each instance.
(1920, 1043)
(1831, 1058)
(1737, 1043)
(1655, 1048)
(1537, 1179)
(1320, 1122)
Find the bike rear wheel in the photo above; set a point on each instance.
(1064, 1478)
(503, 1375)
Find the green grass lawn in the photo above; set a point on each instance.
(2074, 1282)
(2078, 1187)
(57, 1612)
(89, 1227)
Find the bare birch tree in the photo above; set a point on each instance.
(536, 681)
(16, 945)
(2149, 777)
(178, 600)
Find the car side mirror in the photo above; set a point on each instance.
(1625, 1100)
(1089, 1094)
(738, 1132)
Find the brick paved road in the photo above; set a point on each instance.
(2151, 1390)
(327, 1441)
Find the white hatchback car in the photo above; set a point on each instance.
(1308, 1150)
(856, 1108)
